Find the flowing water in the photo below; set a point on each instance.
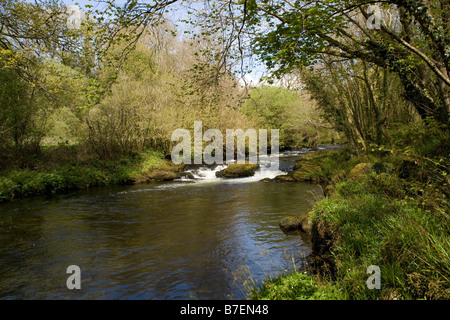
(188, 239)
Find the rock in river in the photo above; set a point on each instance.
(236, 170)
(292, 224)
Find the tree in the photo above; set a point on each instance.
(412, 41)
(359, 99)
(285, 109)
(47, 62)
(162, 86)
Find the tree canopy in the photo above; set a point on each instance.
(411, 39)
(364, 62)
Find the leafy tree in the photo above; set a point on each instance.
(412, 41)
(288, 110)
(358, 99)
(162, 87)
(45, 62)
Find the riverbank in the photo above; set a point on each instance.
(383, 207)
(66, 169)
(60, 169)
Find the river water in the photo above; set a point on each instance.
(187, 239)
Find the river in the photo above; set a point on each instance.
(187, 239)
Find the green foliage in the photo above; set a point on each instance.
(411, 41)
(18, 114)
(64, 126)
(359, 100)
(398, 224)
(389, 209)
(295, 286)
(289, 111)
(324, 165)
(406, 242)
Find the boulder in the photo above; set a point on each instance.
(162, 175)
(290, 224)
(236, 170)
(285, 178)
(294, 224)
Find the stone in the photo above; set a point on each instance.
(164, 175)
(236, 170)
(294, 224)
(290, 224)
(285, 178)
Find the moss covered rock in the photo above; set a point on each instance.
(166, 172)
(285, 178)
(295, 224)
(236, 170)
(290, 224)
(163, 175)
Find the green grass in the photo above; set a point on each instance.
(62, 169)
(391, 211)
(409, 244)
(296, 286)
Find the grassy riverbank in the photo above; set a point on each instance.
(388, 208)
(60, 169)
